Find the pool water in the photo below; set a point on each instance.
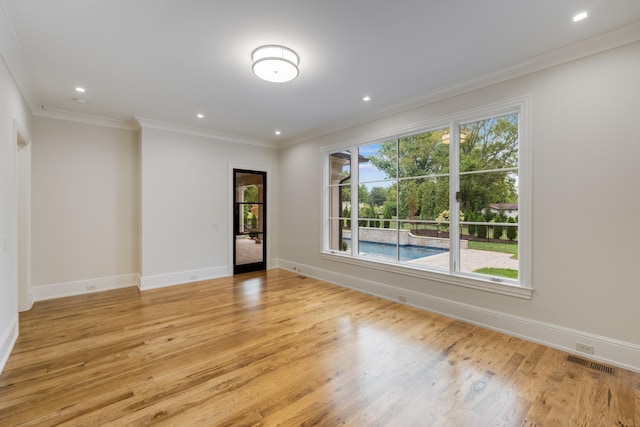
(387, 250)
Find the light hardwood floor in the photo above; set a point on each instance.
(276, 348)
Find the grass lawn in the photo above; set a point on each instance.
(508, 248)
(498, 272)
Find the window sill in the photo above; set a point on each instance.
(434, 275)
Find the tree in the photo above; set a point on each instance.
(363, 194)
(250, 194)
(487, 145)
(346, 191)
(490, 144)
(416, 156)
(377, 196)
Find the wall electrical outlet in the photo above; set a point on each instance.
(585, 348)
(402, 298)
(91, 287)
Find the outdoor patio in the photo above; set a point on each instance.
(248, 251)
(470, 260)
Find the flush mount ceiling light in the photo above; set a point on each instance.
(277, 64)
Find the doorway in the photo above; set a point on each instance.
(249, 220)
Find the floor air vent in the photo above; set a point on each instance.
(592, 365)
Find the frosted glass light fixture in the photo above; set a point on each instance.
(274, 63)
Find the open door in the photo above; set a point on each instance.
(249, 221)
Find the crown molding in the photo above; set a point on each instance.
(13, 58)
(53, 113)
(610, 40)
(205, 133)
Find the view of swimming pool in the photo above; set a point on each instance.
(387, 250)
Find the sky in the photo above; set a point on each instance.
(368, 171)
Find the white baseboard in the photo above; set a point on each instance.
(611, 351)
(179, 278)
(8, 339)
(67, 289)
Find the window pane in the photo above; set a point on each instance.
(421, 244)
(377, 199)
(424, 154)
(340, 235)
(480, 190)
(489, 200)
(403, 211)
(489, 144)
(340, 201)
(379, 243)
(423, 198)
(249, 249)
(377, 161)
(253, 219)
(486, 256)
(251, 194)
(340, 167)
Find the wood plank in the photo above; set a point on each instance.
(276, 348)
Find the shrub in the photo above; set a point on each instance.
(444, 217)
(481, 228)
(498, 229)
(390, 208)
(512, 232)
(471, 227)
(346, 213)
(488, 215)
(387, 215)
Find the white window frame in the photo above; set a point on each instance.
(522, 288)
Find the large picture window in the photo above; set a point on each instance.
(444, 199)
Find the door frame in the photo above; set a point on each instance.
(22, 239)
(268, 212)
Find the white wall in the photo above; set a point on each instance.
(13, 112)
(186, 213)
(585, 177)
(85, 209)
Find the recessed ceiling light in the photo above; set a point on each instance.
(580, 16)
(200, 116)
(80, 89)
(366, 98)
(278, 132)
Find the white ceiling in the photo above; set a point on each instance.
(167, 60)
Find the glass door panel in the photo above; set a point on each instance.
(249, 212)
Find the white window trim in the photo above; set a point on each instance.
(523, 289)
